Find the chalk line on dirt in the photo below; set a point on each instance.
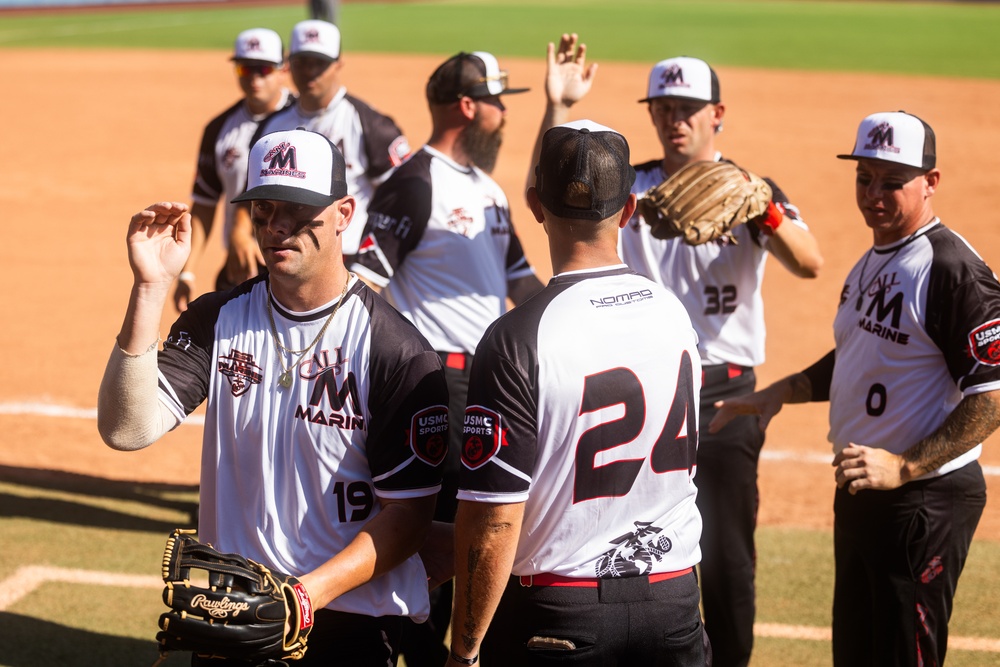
(70, 412)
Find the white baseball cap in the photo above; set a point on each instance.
(895, 136)
(684, 78)
(259, 44)
(315, 38)
(298, 166)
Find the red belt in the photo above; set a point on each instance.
(547, 579)
(457, 360)
(719, 373)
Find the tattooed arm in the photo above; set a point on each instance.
(974, 419)
(486, 537)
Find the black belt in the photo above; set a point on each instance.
(721, 373)
(457, 360)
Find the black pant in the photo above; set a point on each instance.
(899, 555)
(728, 499)
(423, 644)
(344, 640)
(625, 621)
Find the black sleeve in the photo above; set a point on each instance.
(397, 218)
(185, 362)
(820, 377)
(408, 404)
(384, 143)
(963, 312)
(207, 183)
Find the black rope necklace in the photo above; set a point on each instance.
(862, 288)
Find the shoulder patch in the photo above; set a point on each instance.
(984, 343)
(429, 434)
(482, 436)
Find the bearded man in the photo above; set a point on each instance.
(440, 244)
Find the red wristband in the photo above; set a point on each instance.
(774, 216)
(305, 605)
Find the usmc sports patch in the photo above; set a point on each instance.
(429, 434)
(481, 436)
(984, 342)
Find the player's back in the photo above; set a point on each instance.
(612, 362)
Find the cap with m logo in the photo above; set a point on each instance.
(297, 166)
(684, 78)
(259, 44)
(895, 136)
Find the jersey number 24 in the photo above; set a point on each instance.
(671, 451)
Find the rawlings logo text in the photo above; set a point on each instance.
(218, 608)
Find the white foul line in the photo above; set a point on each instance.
(27, 579)
(70, 412)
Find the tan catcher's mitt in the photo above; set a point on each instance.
(228, 606)
(703, 201)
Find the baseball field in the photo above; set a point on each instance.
(103, 115)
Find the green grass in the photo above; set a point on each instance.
(87, 523)
(948, 39)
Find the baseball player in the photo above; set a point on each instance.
(577, 528)
(719, 284)
(440, 241)
(327, 410)
(222, 159)
(372, 144)
(914, 388)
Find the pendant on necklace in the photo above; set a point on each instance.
(285, 379)
(857, 306)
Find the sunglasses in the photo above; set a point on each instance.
(251, 70)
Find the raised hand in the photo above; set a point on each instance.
(159, 242)
(568, 78)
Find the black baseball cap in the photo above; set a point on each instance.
(474, 75)
(592, 155)
(298, 166)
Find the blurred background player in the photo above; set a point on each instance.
(577, 523)
(719, 284)
(441, 245)
(914, 388)
(311, 461)
(372, 144)
(222, 159)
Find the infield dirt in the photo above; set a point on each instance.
(93, 136)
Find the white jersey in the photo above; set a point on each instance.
(719, 283)
(441, 243)
(291, 476)
(222, 158)
(917, 329)
(598, 438)
(371, 142)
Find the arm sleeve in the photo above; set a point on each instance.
(129, 414)
(820, 377)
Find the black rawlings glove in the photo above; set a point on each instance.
(241, 614)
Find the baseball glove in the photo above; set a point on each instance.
(703, 201)
(245, 612)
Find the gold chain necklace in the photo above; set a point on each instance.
(285, 379)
